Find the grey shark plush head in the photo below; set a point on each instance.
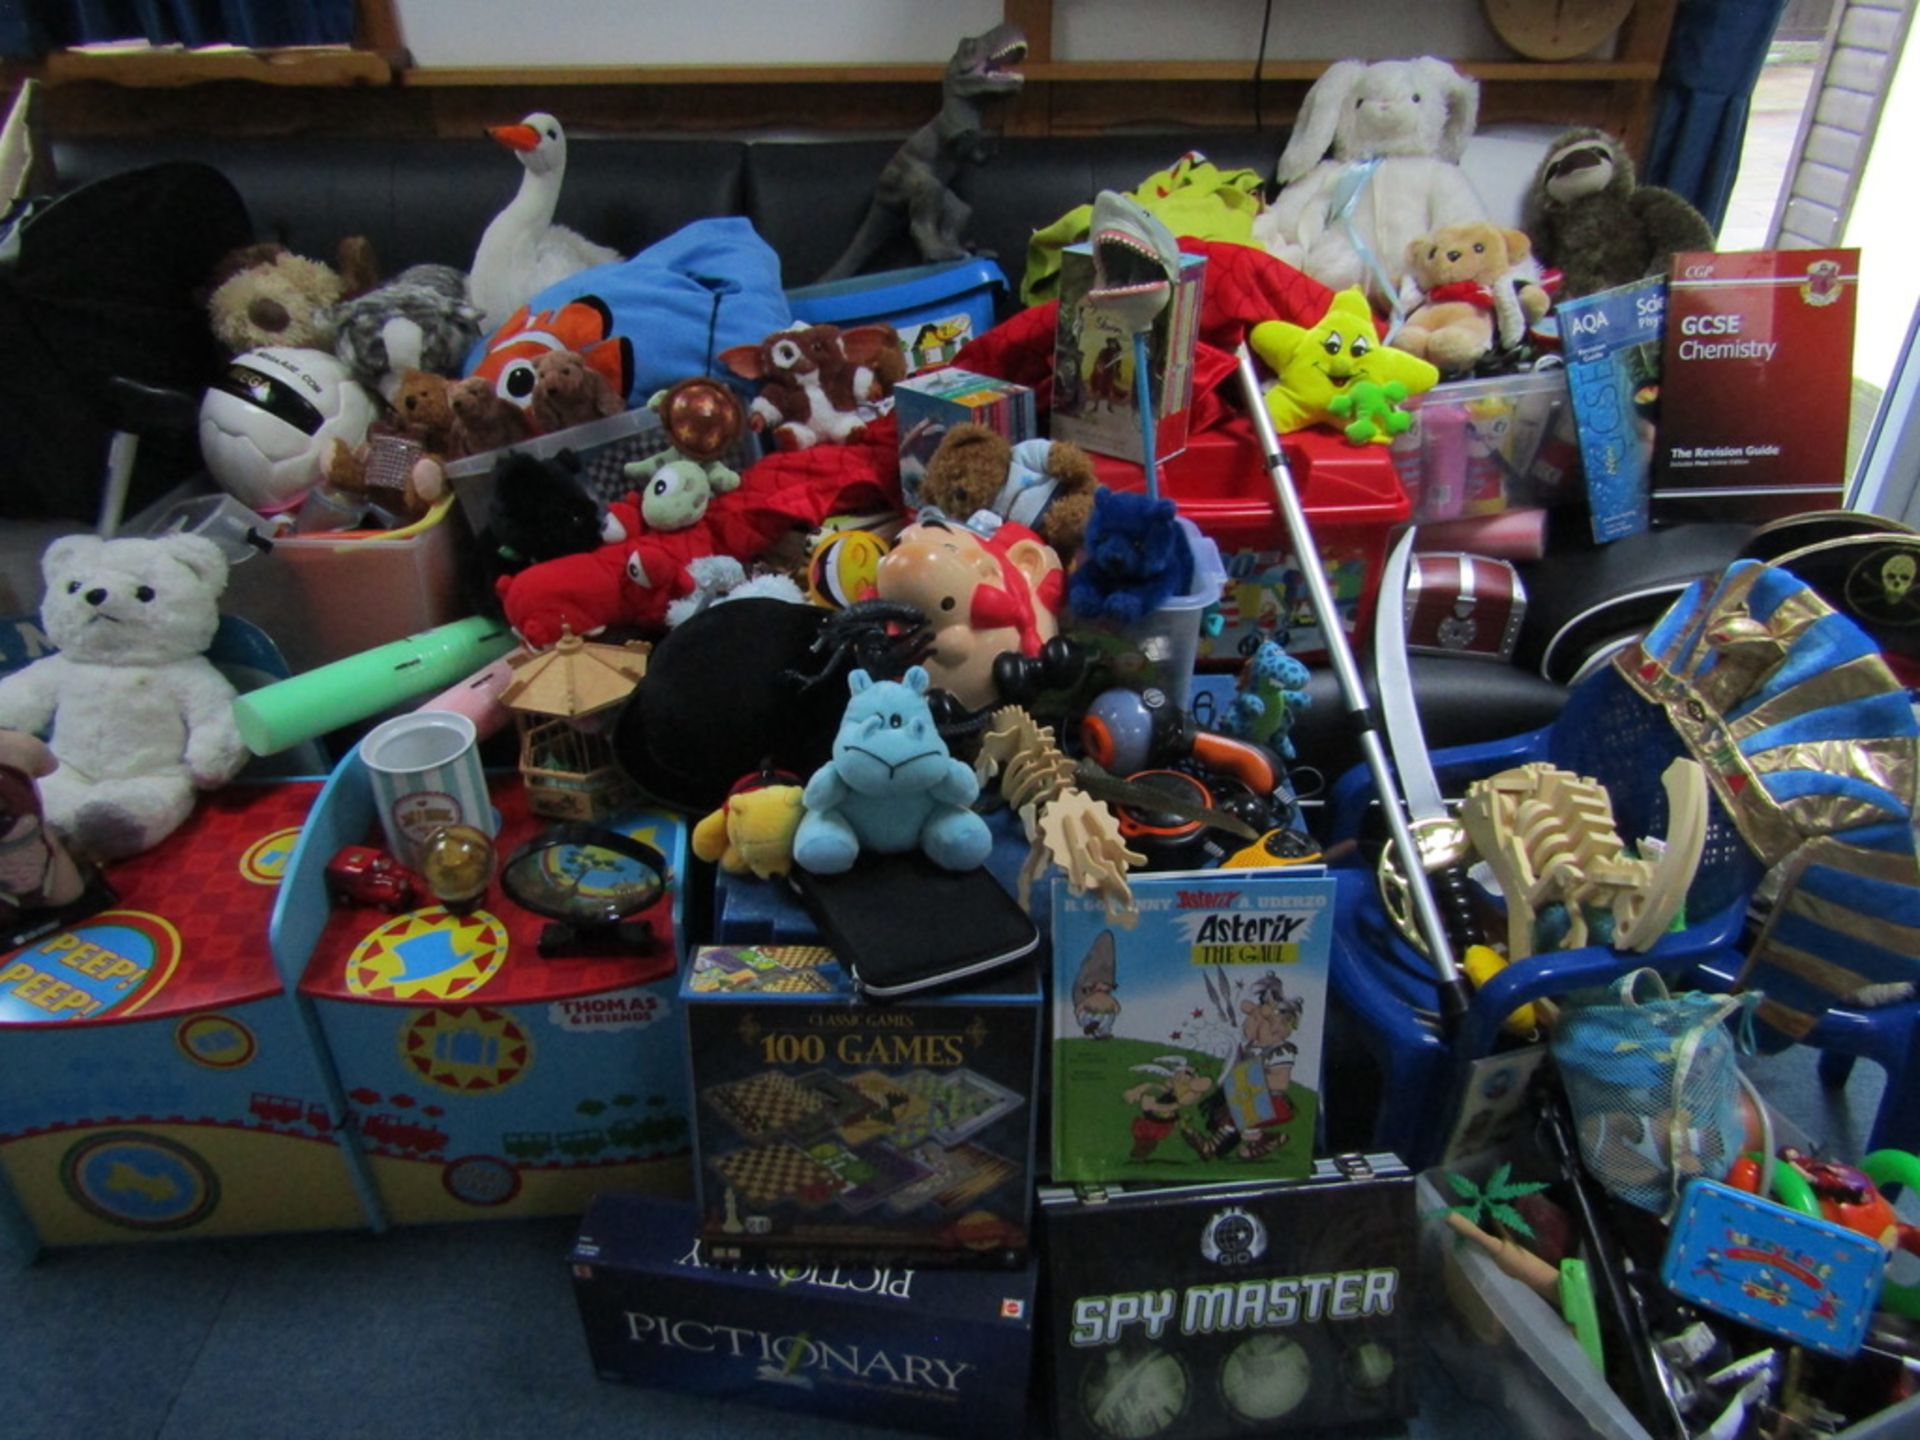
(1134, 260)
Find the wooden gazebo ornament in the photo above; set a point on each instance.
(559, 699)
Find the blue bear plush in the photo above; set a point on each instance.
(1133, 559)
(891, 786)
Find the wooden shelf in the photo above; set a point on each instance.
(1055, 72)
(462, 76)
(171, 69)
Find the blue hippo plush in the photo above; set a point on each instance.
(891, 786)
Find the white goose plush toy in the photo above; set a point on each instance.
(523, 251)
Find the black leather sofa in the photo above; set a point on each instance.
(429, 200)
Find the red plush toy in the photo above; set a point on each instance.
(629, 582)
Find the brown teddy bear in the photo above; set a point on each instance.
(399, 467)
(567, 392)
(1045, 485)
(483, 419)
(1469, 299)
(422, 410)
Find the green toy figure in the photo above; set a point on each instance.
(1373, 412)
(1272, 691)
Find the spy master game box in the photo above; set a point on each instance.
(1203, 1311)
(940, 1352)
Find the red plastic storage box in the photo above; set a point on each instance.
(1353, 499)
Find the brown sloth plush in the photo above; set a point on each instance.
(1045, 485)
(1587, 216)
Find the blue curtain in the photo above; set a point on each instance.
(29, 28)
(1713, 62)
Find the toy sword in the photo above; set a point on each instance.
(1439, 837)
(1455, 996)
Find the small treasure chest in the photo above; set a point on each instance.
(1466, 605)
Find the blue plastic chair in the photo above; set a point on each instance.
(1606, 731)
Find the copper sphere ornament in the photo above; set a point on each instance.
(703, 418)
(457, 864)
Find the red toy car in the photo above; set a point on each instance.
(362, 875)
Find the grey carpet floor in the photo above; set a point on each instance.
(435, 1330)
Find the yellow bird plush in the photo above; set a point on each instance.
(753, 831)
(1314, 367)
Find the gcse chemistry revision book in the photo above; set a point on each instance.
(1611, 340)
(1187, 1046)
(1757, 381)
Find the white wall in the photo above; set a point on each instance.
(755, 32)
(1884, 220)
(659, 32)
(1230, 30)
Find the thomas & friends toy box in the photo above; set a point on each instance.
(486, 1080)
(159, 1081)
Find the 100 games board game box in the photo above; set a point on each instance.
(827, 1125)
(1200, 1312)
(1186, 1046)
(939, 1352)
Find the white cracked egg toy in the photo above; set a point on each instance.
(265, 423)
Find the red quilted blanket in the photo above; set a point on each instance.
(1244, 286)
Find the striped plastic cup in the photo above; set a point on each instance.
(426, 773)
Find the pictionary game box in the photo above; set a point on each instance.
(826, 1125)
(940, 1352)
(1204, 1311)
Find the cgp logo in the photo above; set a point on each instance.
(1697, 272)
(1233, 1237)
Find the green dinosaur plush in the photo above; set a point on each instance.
(1372, 411)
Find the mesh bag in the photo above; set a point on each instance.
(1654, 1086)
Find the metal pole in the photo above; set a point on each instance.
(1455, 994)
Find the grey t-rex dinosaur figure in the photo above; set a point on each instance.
(914, 187)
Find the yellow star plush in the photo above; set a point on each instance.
(1313, 366)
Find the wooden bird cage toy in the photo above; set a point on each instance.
(563, 701)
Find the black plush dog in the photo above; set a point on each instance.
(541, 511)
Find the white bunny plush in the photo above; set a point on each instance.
(1396, 130)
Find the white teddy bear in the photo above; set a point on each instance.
(140, 716)
(1397, 129)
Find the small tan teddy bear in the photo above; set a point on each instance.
(568, 392)
(1469, 300)
(483, 420)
